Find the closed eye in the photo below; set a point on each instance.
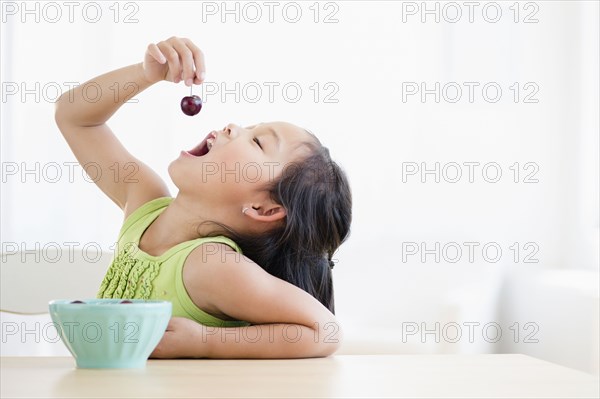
(258, 142)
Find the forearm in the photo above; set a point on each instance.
(95, 101)
(268, 341)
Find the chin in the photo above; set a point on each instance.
(170, 170)
(177, 174)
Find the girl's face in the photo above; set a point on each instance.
(239, 163)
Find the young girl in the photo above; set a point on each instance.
(244, 250)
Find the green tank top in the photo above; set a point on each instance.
(134, 274)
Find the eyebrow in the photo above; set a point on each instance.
(273, 133)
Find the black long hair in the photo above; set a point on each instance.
(316, 195)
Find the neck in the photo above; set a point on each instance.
(181, 221)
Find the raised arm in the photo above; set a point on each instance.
(81, 115)
(287, 322)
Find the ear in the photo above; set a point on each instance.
(270, 213)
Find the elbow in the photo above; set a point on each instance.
(332, 336)
(59, 110)
(328, 350)
(65, 109)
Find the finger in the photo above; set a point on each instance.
(173, 59)
(155, 52)
(170, 325)
(158, 352)
(187, 61)
(199, 61)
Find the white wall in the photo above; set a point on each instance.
(369, 55)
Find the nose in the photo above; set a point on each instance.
(232, 130)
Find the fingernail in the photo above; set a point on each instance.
(188, 82)
(202, 75)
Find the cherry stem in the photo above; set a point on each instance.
(191, 89)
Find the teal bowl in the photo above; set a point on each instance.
(105, 333)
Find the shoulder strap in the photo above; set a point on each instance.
(144, 210)
(220, 239)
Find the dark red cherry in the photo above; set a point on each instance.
(126, 301)
(78, 302)
(191, 105)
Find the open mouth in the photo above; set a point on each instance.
(204, 147)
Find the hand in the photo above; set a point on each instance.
(174, 60)
(183, 338)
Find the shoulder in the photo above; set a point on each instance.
(140, 217)
(236, 286)
(141, 206)
(136, 200)
(213, 267)
(211, 270)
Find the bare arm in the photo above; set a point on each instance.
(95, 101)
(81, 115)
(287, 322)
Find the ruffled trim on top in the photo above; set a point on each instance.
(128, 277)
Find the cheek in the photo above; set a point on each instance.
(238, 165)
(222, 181)
(231, 173)
(230, 154)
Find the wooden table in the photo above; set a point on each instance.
(505, 375)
